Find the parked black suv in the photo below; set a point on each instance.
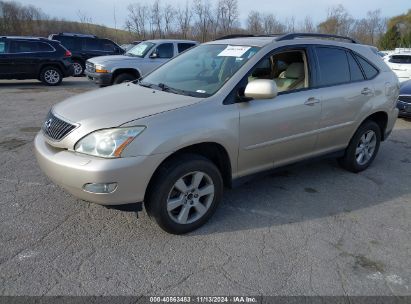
(84, 47)
(34, 58)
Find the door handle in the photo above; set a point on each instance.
(366, 91)
(311, 101)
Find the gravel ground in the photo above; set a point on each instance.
(311, 229)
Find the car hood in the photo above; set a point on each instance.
(117, 105)
(113, 58)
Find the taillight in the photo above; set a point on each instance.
(67, 54)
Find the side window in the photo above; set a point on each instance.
(45, 47)
(165, 50)
(69, 43)
(23, 47)
(355, 70)
(334, 68)
(369, 70)
(184, 46)
(2, 47)
(400, 59)
(91, 44)
(288, 70)
(108, 46)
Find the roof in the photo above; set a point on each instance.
(24, 37)
(171, 40)
(263, 40)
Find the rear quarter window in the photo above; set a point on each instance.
(369, 70)
(184, 46)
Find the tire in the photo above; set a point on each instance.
(125, 77)
(363, 147)
(184, 193)
(51, 76)
(78, 68)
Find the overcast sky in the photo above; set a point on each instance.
(101, 11)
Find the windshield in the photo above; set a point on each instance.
(140, 50)
(201, 71)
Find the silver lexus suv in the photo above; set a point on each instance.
(215, 114)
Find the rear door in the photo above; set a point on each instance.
(344, 91)
(25, 56)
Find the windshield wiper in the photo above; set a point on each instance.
(146, 84)
(167, 88)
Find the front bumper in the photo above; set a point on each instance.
(404, 109)
(72, 171)
(102, 79)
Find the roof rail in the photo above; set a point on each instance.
(235, 36)
(314, 35)
(78, 35)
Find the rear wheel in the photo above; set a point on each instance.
(124, 78)
(363, 147)
(51, 76)
(184, 194)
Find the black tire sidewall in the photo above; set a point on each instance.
(44, 70)
(123, 78)
(349, 160)
(165, 181)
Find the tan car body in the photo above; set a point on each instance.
(253, 136)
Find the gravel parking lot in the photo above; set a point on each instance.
(311, 229)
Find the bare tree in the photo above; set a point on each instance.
(227, 15)
(202, 10)
(338, 22)
(156, 21)
(137, 19)
(272, 25)
(169, 17)
(255, 23)
(308, 25)
(184, 16)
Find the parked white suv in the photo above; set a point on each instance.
(400, 63)
(215, 114)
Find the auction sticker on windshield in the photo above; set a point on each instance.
(234, 51)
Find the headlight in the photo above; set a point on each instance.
(101, 69)
(107, 143)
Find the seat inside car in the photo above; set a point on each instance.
(292, 79)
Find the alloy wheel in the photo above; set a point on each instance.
(366, 147)
(52, 76)
(190, 197)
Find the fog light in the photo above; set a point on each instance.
(100, 188)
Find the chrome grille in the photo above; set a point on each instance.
(406, 99)
(55, 128)
(90, 67)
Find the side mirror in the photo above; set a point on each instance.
(261, 89)
(154, 55)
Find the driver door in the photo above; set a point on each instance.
(281, 130)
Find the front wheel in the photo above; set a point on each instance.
(363, 148)
(122, 78)
(51, 76)
(184, 194)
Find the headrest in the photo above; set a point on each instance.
(295, 70)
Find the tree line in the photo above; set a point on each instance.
(205, 20)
